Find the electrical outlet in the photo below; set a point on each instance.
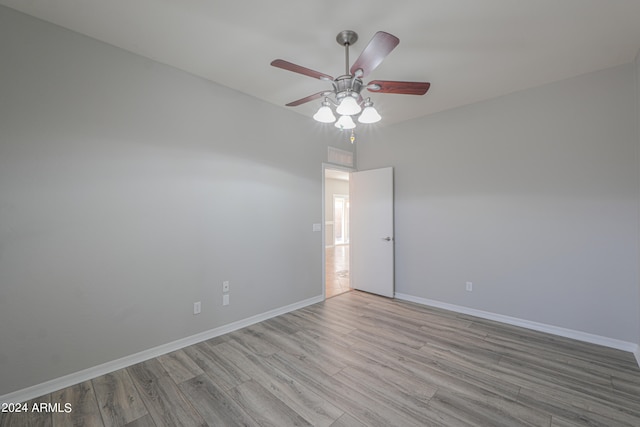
(225, 286)
(469, 286)
(197, 307)
(225, 299)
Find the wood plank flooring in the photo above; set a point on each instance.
(362, 360)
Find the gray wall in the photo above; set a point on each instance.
(533, 197)
(130, 190)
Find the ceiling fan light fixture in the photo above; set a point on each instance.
(324, 114)
(369, 114)
(345, 122)
(348, 106)
(345, 97)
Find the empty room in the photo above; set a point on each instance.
(339, 213)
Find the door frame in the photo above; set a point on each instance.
(325, 167)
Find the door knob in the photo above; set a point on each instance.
(388, 239)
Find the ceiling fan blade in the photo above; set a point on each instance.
(405, 88)
(308, 98)
(378, 48)
(286, 65)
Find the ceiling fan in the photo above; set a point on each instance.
(346, 96)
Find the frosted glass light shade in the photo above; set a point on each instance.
(345, 122)
(324, 115)
(369, 115)
(348, 106)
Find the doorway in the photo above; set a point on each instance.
(337, 231)
(341, 219)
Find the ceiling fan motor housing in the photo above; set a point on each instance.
(347, 86)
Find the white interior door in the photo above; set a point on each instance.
(372, 245)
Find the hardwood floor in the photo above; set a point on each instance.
(336, 270)
(363, 360)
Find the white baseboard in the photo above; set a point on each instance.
(96, 371)
(541, 327)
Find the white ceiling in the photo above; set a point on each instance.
(470, 50)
